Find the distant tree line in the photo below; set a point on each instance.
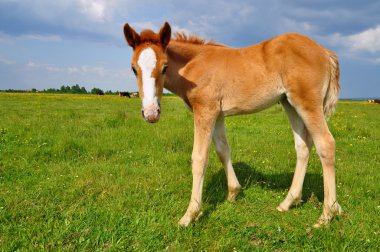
(75, 89)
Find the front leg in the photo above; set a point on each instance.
(204, 122)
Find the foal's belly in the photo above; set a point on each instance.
(252, 100)
(249, 107)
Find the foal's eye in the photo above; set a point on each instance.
(134, 70)
(164, 68)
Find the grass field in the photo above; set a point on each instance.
(87, 173)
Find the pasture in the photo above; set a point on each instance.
(82, 172)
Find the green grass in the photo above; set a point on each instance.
(87, 173)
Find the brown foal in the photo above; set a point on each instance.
(217, 81)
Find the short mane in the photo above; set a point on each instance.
(193, 39)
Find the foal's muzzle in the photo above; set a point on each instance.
(151, 114)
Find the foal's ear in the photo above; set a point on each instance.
(132, 37)
(165, 34)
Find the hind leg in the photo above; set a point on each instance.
(223, 150)
(303, 144)
(325, 145)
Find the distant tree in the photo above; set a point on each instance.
(83, 90)
(109, 92)
(62, 89)
(51, 90)
(75, 89)
(97, 91)
(14, 91)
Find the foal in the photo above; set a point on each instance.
(217, 81)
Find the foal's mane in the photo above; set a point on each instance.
(193, 39)
(148, 36)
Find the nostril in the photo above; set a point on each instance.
(142, 113)
(159, 111)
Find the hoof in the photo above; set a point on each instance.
(188, 218)
(288, 202)
(184, 221)
(321, 222)
(232, 193)
(282, 210)
(327, 215)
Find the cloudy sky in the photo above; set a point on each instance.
(46, 43)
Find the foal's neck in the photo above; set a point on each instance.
(179, 54)
(182, 52)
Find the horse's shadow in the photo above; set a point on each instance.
(216, 189)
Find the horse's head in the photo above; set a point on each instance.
(149, 64)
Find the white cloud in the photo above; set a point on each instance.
(32, 64)
(56, 20)
(362, 46)
(82, 70)
(43, 38)
(6, 61)
(365, 41)
(368, 40)
(85, 69)
(95, 10)
(91, 10)
(52, 68)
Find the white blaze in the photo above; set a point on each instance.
(147, 62)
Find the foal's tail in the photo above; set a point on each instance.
(332, 93)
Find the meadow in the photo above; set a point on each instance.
(85, 172)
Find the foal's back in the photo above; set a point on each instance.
(250, 79)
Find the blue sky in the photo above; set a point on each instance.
(47, 43)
